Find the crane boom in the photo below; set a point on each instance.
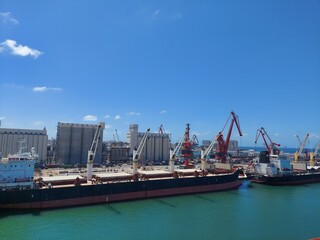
(117, 135)
(174, 152)
(298, 153)
(261, 131)
(141, 145)
(92, 151)
(222, 147)
(204, 153)
(137, 153)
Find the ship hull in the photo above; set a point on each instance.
(114, 192)
(292, 179)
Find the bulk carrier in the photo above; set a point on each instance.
(20, 190)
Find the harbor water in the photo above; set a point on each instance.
(251, 212)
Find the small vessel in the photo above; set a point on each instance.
(277, 170)
(274, 168)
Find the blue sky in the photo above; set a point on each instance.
(163, 62)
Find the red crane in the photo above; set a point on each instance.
(270, 147)
(222, 146)
(186, 149)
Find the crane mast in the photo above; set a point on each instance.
(222, 146)
(270, 147)
(92, 151)
(298, 153)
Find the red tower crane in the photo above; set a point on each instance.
(222, 146)
(186, 149)
(270, 147)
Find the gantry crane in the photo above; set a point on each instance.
(270, 147)
(222, 146)
(92, 151)
(298, 153)
(313, 154)
(137, 152)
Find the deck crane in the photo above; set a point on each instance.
(313, 154)
(297, 153)
(270, 147)
(137, 152)
(92, 151)
(222, 146)
(306, 150)
(173, 153)
(205, 153)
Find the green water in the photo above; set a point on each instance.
(251, 212)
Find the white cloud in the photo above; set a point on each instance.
(15, 49)
(44, 89)
(90, 118)
(312, 135)
(117, 117)
(2, 118)
(107, 116)
(133, 113)
(108, 126)
(8, 18)
(163, 111)
(38, 123)
(276, 134)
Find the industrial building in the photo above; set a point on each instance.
(157, 148)
(9, 141)
(73, 142)
(116, 153)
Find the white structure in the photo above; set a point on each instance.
(278, 165)
(9, 141)
(17, 170)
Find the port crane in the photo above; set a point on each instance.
(186, 149)
(137, 152)
(298, 153)
(222, 146)
(194, 141)
(313, 154)
(92, 151)
(270, 147)
(161, 129)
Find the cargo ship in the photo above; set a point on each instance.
(20, 190)
(277, 169)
